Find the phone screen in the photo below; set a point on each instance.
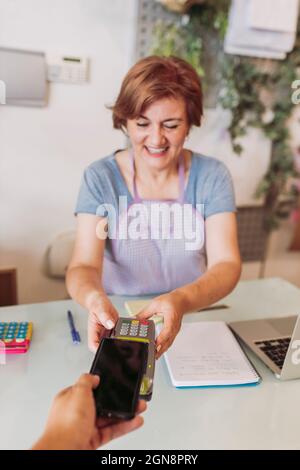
(120, 365)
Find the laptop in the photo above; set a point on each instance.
(276, 341)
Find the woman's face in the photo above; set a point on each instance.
(157, 137)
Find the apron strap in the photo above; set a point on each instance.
(181, 177)
(136, 197)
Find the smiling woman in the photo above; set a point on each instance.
(187, 194)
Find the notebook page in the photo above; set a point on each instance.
(207, 354)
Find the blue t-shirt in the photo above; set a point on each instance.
(148, 266)
(209, 184)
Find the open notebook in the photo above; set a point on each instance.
(206, 354)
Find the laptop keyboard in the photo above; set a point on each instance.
(275, 349)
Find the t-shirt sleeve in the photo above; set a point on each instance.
(90, 195)
(221, 196)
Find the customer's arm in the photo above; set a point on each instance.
(84, 273)
(72, 423)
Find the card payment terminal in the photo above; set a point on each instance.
(144, 331)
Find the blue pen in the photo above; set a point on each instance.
(74, 333)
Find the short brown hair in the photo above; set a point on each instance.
(154, 78)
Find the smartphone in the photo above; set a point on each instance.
(121, 366)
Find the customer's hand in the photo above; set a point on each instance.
(102, 316)
(72, 423)
(170, 307)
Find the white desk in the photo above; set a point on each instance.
(262, 417)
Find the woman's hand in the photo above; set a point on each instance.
(102, 316)
(72, 420)
(170, 307)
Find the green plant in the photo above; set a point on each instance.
(245, 83)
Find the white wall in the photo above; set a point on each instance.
(43, 151)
